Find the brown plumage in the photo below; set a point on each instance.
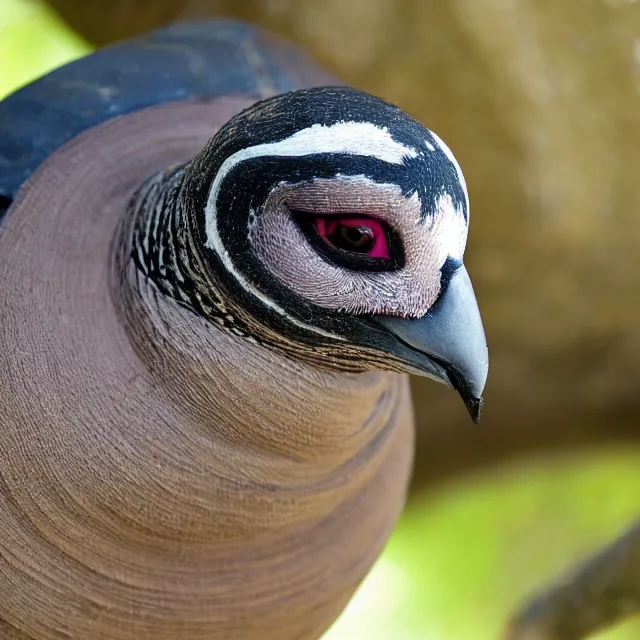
(160, 477)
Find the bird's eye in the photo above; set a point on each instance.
(360, 239)
(362, 243)
(365, 236)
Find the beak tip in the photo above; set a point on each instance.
(474, 407)
(470, 389)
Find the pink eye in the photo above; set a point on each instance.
(364, 236)
(352, 241)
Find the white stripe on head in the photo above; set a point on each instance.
(447, 152)
(353, 138)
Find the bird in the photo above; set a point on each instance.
(220, 267)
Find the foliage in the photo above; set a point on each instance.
(32, 41)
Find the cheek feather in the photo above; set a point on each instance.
(283, 246)
(369, 228)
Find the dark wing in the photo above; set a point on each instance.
(180, 62)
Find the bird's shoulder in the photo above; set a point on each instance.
(182, 62)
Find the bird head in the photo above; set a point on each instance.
(332, 226)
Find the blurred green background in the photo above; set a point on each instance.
(473, 545)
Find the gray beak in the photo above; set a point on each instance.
(448, 343)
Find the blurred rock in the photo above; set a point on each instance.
(540, 103)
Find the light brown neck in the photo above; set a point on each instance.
(279, 464)
(264, 422)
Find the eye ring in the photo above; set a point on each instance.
(319, 228)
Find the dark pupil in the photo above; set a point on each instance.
(358, 239)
